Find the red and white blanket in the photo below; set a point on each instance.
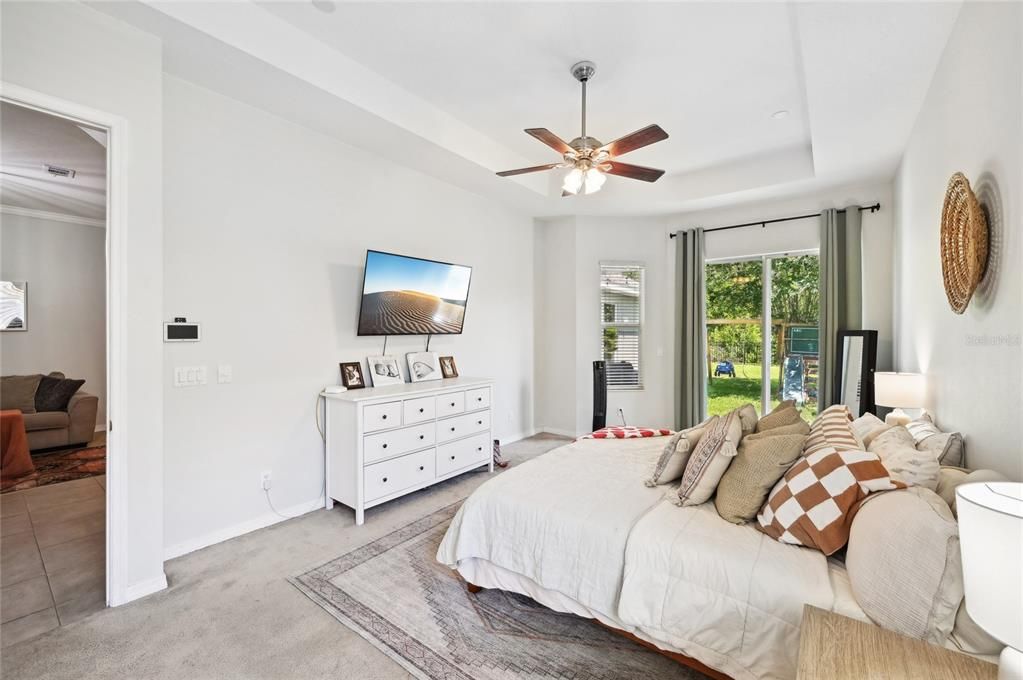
(627, 432)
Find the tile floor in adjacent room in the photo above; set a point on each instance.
(53, 551)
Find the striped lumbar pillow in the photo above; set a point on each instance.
(832, 428)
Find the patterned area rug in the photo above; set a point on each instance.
(394, 593)
(61, 466)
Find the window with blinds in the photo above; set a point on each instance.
(621, 321)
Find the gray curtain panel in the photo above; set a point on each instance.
(690, 338)
(841, 288)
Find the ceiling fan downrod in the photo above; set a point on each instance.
(583, 71)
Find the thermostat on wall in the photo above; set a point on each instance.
(181, 330)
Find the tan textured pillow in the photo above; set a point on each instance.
(977, 476)
(896, 450)
(19, 392)
(710, 460)
(760, 463)
(948, 447)
(748, 418)
(831, 429)
(802, 427)
(814, 503)
(785, 414)
(866, 425)
(672, 461)
(904, 563)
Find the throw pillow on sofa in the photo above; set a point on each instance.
(761, 461)
(54, 394)
(814, 504)
(902, 459)
(904, 563)
(19, 392)
(948, 447)
(865, 426)
(748, 419)
(709, 461)
(831, 429)
(672, 461)
(784, 413)
(799, 427)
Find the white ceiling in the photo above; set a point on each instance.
(29, 140)
(448, 87)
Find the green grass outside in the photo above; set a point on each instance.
(725, 394)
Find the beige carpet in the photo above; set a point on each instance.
(394, 593)
(230, 612)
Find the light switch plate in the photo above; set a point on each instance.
(224, 373)
(189, 376)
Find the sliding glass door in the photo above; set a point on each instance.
(762, 316)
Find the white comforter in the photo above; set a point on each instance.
(578, 521)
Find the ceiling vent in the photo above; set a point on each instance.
(58, 171)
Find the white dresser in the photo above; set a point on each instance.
(385, 442)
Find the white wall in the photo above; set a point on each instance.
(70, 51)
(970, 122)
(65, 266)
(569, 253)
(267, 227)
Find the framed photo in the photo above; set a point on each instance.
(448, 368)
(351, 375)
(384, 370)
(423, 366)
(13, 305)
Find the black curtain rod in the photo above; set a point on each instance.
(763, 223)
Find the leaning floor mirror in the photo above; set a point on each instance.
(854, 370)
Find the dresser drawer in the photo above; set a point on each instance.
(450, 404)
(418, 410)
(461, 426)
(395, 475)
(381, 416)
(477, 399)
(463, 453)
(388, 444)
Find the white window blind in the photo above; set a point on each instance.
(621, 320)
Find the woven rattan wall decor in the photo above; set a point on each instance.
(964, 243)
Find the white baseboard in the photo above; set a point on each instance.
(220, 535)
(562, 433)
(141, 589)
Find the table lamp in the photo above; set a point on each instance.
(991, 541)
(899, 391)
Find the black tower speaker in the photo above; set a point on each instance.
(599, 395)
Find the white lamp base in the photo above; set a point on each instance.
(897, 417)
(1010, 664)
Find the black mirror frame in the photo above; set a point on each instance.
(869, 365)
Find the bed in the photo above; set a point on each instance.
(577, 531)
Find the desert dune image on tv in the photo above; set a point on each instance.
(409, 296)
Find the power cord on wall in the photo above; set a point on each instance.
(323, 488)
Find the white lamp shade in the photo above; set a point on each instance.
(991, 540)
(900, 390)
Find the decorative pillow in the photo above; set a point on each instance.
(748, 419)
(19, 392)
(904, 563)
(628, 432)
(948, 447)
(905, 463)
(710, 460)
(801, 427)
(55, 393)
(948, 479)
(866, 425)
(785, 413)
(760, 463)
(975, 477)
(813, 505)
(672, 462)
(831, 429)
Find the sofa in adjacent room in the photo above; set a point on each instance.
(56, 411)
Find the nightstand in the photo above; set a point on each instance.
(836, 647)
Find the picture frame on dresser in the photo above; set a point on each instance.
(351, 375)
(385, 442)
(448, 368)
(423, 366)
(384, 370)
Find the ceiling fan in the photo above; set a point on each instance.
(588, 158)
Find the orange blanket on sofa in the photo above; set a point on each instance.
(15, 460)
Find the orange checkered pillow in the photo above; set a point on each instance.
(813, 505)
(833, 427)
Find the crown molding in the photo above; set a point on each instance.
(53, 216)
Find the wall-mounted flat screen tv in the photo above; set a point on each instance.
(410, 296)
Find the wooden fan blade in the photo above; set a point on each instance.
(550, 139)
(522, 171)
(634, 171)
(636, 140)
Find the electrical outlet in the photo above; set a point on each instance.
(264, 480)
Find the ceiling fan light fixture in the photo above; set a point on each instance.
(594, 180)
(573, 181)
